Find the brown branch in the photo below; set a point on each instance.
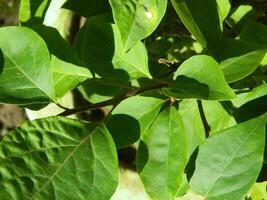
(114, 101)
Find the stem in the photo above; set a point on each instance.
(114, 101)
(203, 118)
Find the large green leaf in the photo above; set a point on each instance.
(99, 45)
(237, 68)
(137, 19)
(131, 118)
(33, 11)
(58, 158)
(229, 162)
(26, 77)
(162, 155)
(202, 19)
(206, 70)
(88, 8)
(194, 129)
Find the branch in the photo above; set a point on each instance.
(114, 101)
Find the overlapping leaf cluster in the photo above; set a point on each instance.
(186, 80)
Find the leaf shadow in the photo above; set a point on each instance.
(34, 7)
(124, 129)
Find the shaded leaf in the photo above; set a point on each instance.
(26, 77)
(255, 32)
(229, 162)
(68, 70)
(88, 8)
(187, 88)
(97, 90)
(58, 158)
(202, 19)
(206, 70)
(164, 144)
(240, 16)
(131, 118)
(99, 45)
(257, 92)
(137, 19)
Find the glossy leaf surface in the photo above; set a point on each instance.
(58, 158)
(26, 76)
(229, 162)
(197, 67)
(137, 19)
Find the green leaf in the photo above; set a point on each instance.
(237, 68)
(230, 48)
(97, 90)
(131, 118)
(26, 77)
(240, 16)
(68, 70)
(251, 109)
(187, 88)
(162, 155)
(217, 117)
(67, 76)
(33, 11)
(229, 162)
(88, 8)
(202, 19)
(224, 7)
(137, 19)
(99, 45)
(257, 92)
(58, 158)
(255, 32)
(206, 70)
(194, 129)
(258, 191)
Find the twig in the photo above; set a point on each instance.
(114, 101)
